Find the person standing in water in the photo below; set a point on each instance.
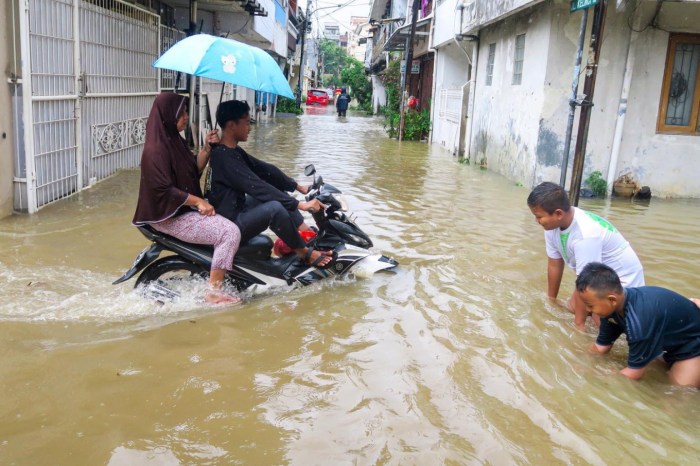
(342, 102)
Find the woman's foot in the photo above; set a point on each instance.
(221, 297)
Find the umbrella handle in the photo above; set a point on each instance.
(221, 97)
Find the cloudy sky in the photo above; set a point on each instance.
(328, 11)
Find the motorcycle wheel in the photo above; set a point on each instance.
(169, 269)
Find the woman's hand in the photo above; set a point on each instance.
(212, 138)
(311, 206)
(303, 189)
(204, 208)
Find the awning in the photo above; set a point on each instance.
(397, 41)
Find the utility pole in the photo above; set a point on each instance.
(301, 52)
(588, 88)
(409, 59)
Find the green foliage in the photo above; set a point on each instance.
(285, 105)
(392, 81)
(360, 87)
(416, 125)
(340, 69)
(597, 183)
(334, 61)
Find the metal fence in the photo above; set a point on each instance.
(88, 65)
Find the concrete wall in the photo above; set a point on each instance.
(378, 93)
(669, 164)
(7, 148)
(505, 133)
(446, 25)
(481, 13)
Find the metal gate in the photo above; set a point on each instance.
(92, 85)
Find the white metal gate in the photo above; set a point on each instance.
(88, 65)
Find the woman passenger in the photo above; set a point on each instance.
(170, 197)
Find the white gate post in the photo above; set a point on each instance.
(27, 112)
(79, 86)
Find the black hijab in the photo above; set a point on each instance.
(168, 168)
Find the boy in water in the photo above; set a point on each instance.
(575, 237)
(657, 322)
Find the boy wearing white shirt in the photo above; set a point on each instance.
(575, 237)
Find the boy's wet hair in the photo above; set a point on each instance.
(599, 278)
(549, 197)
(231, 110)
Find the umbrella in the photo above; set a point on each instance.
(226, 60)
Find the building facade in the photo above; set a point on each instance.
(503, 99)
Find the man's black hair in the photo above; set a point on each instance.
(549, 197)
(231, 110)
(599, 278)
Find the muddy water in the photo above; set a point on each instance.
(457, 358)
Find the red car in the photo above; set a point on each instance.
(316, 97)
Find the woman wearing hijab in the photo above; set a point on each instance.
(170, 197)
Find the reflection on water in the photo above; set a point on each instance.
(457, 358)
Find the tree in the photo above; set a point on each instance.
(354, 77)
(345, 70)
(334, 58)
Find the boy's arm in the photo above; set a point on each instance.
(630, 373)
(555, 270)
(578, 307)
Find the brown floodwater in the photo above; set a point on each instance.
(456, 358)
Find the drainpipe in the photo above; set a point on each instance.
(432, 49)
(465, 101)
(621, 112)
(472, 95)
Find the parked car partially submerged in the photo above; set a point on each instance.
(316, 97)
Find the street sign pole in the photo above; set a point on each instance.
(573, 103)
(588, 88)
(582, 4)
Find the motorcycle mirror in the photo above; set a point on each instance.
(309, 170)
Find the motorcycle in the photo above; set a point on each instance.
(255, 269)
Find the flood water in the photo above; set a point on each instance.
(457, 358)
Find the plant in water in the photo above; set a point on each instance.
(416, 125)
(597, 183)
(285, 105)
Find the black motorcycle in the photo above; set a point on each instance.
(255, 268)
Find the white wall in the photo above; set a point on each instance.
(506, 125)
(451, 74)
(446, 17)
(378, 93)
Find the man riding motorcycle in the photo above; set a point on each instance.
(252, 193)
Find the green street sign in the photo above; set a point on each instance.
(581, 4)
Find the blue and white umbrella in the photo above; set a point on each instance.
(226, 60)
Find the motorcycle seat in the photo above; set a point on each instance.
(258, 247)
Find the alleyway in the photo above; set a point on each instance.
(456, 359)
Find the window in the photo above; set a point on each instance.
(518, 59)
(489, 64)
(680, 94)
